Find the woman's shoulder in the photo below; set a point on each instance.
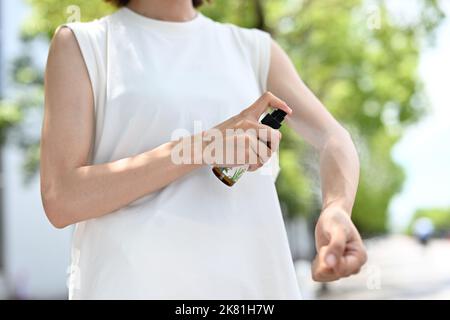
(86, 41)
(254, 44)
(95, 28)
(90, 35)
(250, 36)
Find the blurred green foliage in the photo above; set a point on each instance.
(439, 216)
(359, 60)
(10, 115)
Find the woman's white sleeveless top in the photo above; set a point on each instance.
(196, 238)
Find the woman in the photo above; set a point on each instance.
(149, 228)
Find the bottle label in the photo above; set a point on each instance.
(234, 173)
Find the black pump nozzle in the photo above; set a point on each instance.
(274, 119)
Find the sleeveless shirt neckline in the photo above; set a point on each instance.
(161, 25)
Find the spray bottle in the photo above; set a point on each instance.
(230, 176)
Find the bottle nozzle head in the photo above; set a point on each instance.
(274, 119)
(278, 115)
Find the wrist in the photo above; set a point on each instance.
(335, 216)
(195, 146)
(212, 136)
(186, 151)
(337, 207)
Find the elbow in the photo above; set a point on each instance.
(345, 138)
(349, 142)
(341, 136)
(341, 142)
(55, 207)
(349, 146)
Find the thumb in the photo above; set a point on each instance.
(336, 247)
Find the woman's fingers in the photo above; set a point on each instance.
(321, 272)
(336, 247)
(354, 258)
(264, 133)
(269, 136)
(263, 154)
(349, 263)
(263, 103)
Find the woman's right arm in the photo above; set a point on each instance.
(73, 190)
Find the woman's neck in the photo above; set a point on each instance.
(166, 10)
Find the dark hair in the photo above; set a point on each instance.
(121, 3)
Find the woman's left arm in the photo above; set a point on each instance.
(340, 250)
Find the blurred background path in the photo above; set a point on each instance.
(398, 268)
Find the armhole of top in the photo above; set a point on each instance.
(88, 56)
(264, 46)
